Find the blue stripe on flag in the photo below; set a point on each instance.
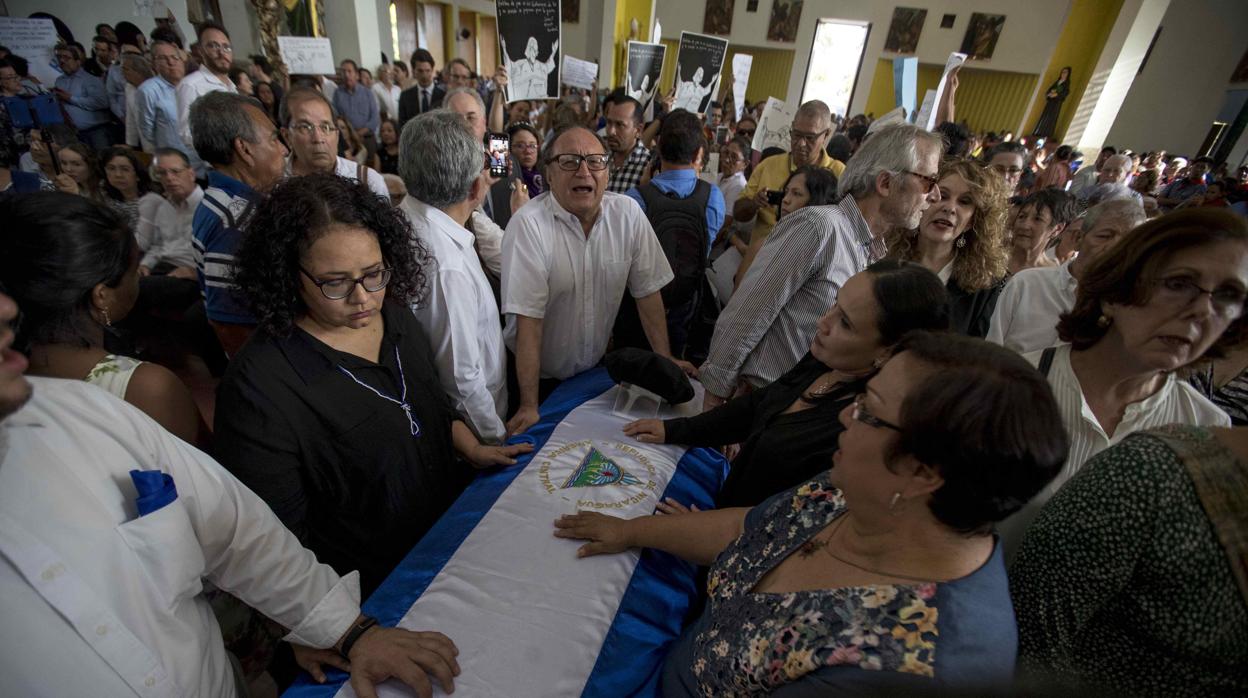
(413, 575)
(653, 609)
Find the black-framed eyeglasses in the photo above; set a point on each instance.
(1181, 291)
(337, 289)
(860, 413)
(571, 162)
(932, 180)
(796, 135)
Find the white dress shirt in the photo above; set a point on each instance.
(171, 239)
(731, 188)
(489, 242)
(461, 318)
(351, 170)
(574, 283)
(388, 99)
(191, 88)
(1027, 312)
(100, 601)
(1176, 402)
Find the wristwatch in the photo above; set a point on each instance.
(354, 634)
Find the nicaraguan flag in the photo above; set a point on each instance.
(528, 616)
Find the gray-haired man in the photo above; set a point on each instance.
(768, 324)
(441, 160)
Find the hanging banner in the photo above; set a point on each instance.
(528, 35)
(699, 61)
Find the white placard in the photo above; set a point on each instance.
(150, 8)
(955, 59)
(774, 127)
(307, 55)
(658, 32)
(35, 40)
(927, 110)
(579, 73)
(741, 64)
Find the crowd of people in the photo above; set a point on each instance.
(974, 389)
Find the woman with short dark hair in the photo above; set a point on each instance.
(1165, 295)
(961, 238)
(72, 265)
(788, 429)
(333, 412)
(128, 189)
(808, 185)
(881, 575)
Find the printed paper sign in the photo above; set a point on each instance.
(955, 60)
(35, 40)
(528, 35)
(307, 55)
(905, 83)
(641, 79)
(741, 64)
(579, 73)
(773, 128)
(699, 61)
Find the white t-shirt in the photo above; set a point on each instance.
(574, 282)
(191, 88)
(1027, 312)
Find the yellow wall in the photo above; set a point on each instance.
(625, 12)
(1083, 37)
(769, 72)
(988, 100)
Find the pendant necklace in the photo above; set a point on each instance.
(401, 402)
(808, 548)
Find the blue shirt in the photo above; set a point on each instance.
(358, 106)
(157, 107)
(115, 86)
(681, 183)
(88, 104)
(218, 230)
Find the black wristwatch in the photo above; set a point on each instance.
(354, 634)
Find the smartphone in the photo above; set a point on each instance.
(500, 149)
(775, 196)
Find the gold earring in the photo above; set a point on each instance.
(892, 504)
(1103, 322)
(108, 322)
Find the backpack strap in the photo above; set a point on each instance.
(1046, 360)
(361, 175)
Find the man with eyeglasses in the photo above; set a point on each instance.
(442, 162)
(770, 320)
(234, 135)
(568, 257)
(310, 128)
(156, 101)
(1008, 160)
(213, 74)
(809, 134)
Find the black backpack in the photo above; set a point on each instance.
(680, 226)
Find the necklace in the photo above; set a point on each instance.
(810, 546)
(401, 402)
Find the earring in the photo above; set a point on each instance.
(879, 361)
(892, 503)
(108, 322)
(1103, 322)
(961, 241)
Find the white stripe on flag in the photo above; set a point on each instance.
(527, 615)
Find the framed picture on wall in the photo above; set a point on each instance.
(981, 35)
(570, 11)
(904, 30)
(751, 5)
(785, 16)
(718, 17)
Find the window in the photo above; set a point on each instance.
(835, 58)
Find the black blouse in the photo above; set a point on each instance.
(970, 312)
(781, 450)
(389, 164)
(337, 463)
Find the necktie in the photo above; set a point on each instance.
(424, 100)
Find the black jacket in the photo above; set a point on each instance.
(409, 102)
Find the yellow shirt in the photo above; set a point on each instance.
(771, 174)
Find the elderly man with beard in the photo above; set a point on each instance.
(811, 129)
(768, 323)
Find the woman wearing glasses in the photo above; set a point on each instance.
(1164, 296)
(333, 412)
(880, 576)
(787, 429)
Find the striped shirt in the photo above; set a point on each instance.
(1176, 402)
(768, 324)
(218, 229)
(628, 175)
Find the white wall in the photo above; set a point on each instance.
(1175, 99)
(1027, 39)
(82, 15)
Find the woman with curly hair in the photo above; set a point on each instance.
(333, 412)
(961, 239)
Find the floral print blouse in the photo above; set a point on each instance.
(855, 638)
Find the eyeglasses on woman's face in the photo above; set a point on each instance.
(1180, 291)
(860, 414)
(337, 289)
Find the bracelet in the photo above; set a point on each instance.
(354, 634)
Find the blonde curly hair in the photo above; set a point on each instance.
(982, 262)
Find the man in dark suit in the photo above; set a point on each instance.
(424, 95)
